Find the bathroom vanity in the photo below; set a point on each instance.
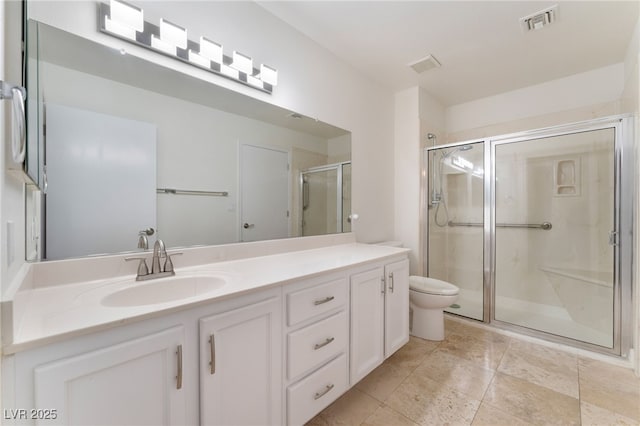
(262, 340)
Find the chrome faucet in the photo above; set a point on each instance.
(159, 252)
(159, 268)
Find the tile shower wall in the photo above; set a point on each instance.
(526, 192)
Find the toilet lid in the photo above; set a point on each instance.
(432, 286)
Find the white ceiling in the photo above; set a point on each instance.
(480, 44)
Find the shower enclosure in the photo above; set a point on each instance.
(535, 229)
(325, 199)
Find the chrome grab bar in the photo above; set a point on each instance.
(545, 226)
(191, 192)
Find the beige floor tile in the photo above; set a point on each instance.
(491, 416)
(352, 408)
(454, 372)
(449, 325)
(382, 381)
(386, 416)
(531, 402)
(412, 354)
(386, 378)
(593, 415)
(486, 350)
(428, 402)
(544, 366)
(610, 387)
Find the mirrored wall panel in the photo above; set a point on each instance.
(129, 151)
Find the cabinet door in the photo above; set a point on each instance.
(133, 383)
(396, 306)
(367, 322)
(241, 366)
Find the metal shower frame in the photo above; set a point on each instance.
(624, 203)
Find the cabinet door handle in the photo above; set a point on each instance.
(179, 376)
(212, 348)
(323, 392)
(391, 282)
(323, 301)
(323, 344)
(382, 285)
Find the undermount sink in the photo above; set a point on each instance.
(163, 290)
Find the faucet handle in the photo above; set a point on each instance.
(143, 269)
(168, 264)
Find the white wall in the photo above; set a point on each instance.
(630, 102)
(312, 81)
(407, 172)
(578, 97)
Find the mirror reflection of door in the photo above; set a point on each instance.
(264, 193)
(101, 173)
(326, 199)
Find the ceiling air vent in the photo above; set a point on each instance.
(425, 64)
(539, 20)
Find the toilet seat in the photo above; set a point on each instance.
(432, 286)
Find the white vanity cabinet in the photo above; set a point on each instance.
(240, 366)
(396, 306)
(379, 316)
(271, 355)
(316, 345)
(135, 382)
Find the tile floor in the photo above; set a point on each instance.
(479, 377)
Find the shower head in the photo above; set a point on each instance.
(456, 149)
(431, 136)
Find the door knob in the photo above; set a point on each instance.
(248, 225)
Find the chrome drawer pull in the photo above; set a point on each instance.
(323, 301)
(323, 344)
(319, 395)
(391, 282)
(179, 376)
(212, 348)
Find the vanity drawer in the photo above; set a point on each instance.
(307, 303)
(316, 343)
(312, 394)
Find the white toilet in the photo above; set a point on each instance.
(428, 298)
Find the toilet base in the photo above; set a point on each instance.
(428, 323)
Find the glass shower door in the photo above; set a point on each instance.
(554, 234)
(456, 223)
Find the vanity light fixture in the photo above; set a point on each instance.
(242, 63)
(125, 21)
(268, 75)
(211, 50)
(173, 34)
(159, 44)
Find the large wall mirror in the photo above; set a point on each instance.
(128, 151)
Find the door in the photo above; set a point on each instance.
(320, 194)
(240, 366)
(134, 383)
(101, 190)
(396, 306)
(556, 234)
(367, 322)
(264, 187)
(456, 223)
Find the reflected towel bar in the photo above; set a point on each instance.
(544, 225)
(190, 192)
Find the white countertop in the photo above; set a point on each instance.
(49, 314)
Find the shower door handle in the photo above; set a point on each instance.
(613, 238)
